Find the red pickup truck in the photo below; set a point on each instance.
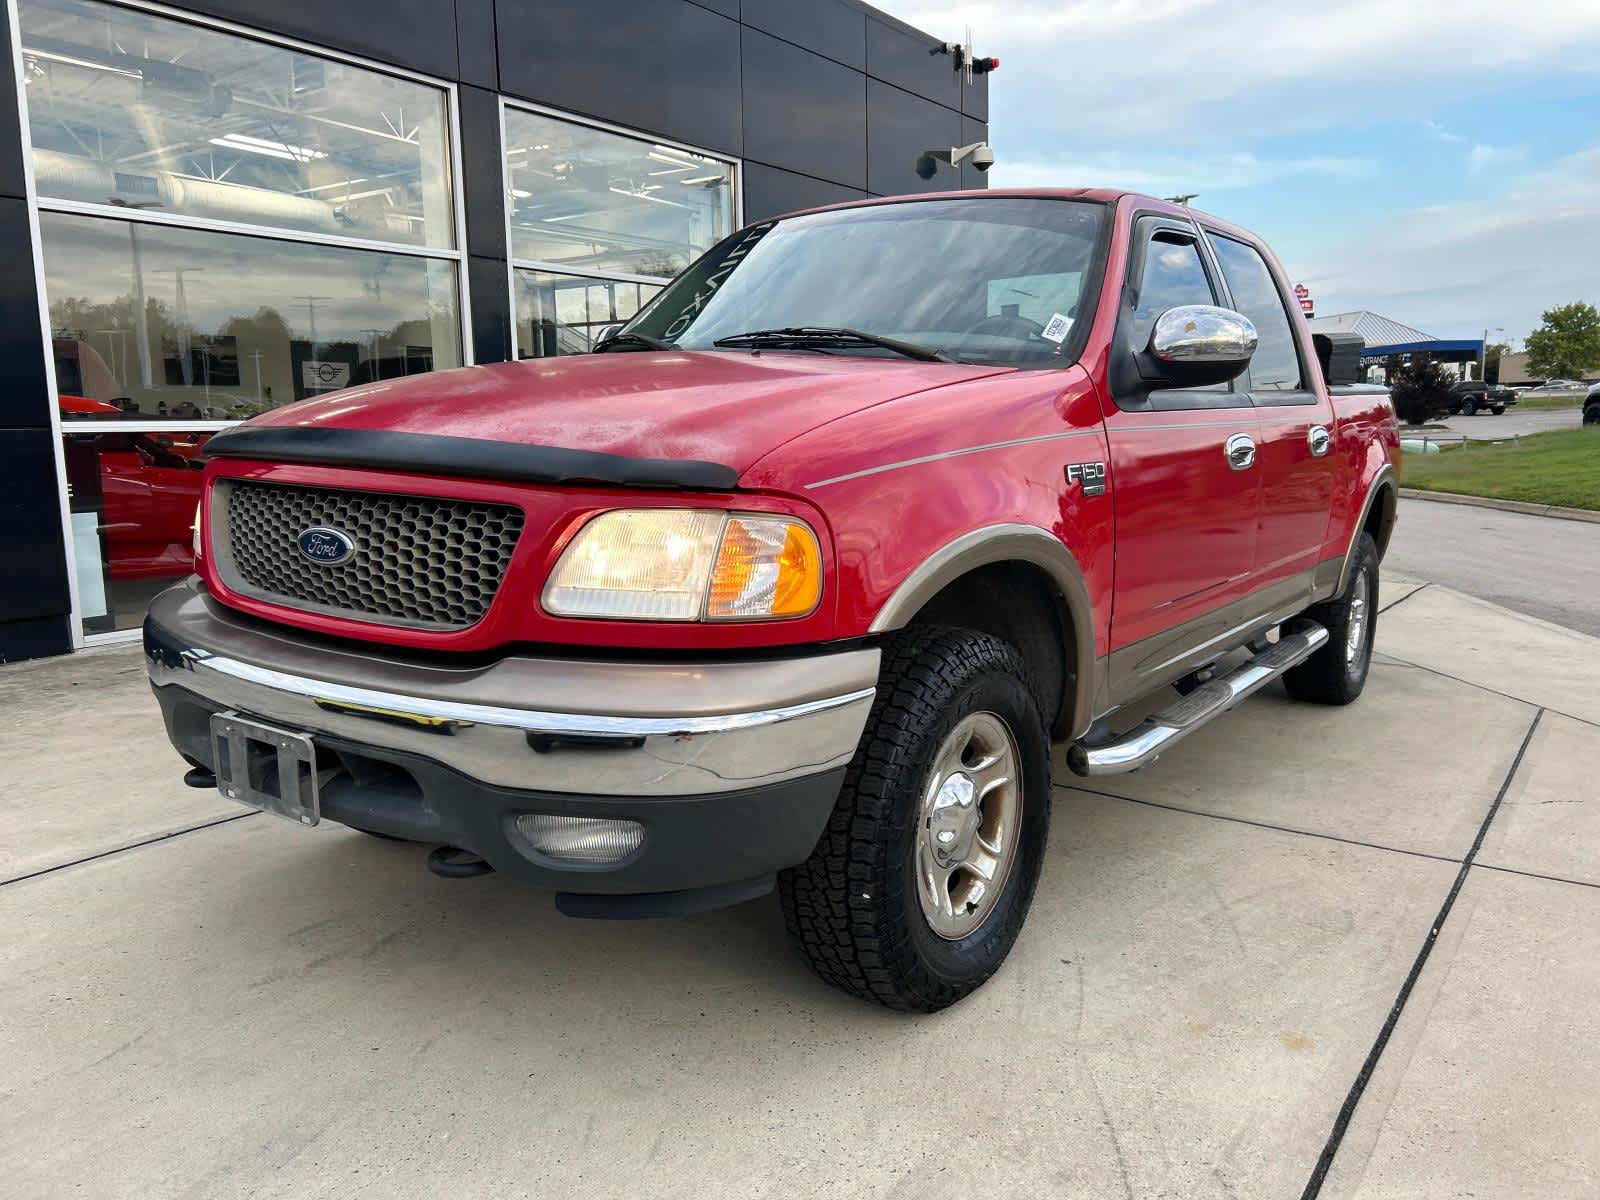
(795, 580)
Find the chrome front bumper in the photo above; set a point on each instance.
(583, 727)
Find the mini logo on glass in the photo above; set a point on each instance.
(324, 546)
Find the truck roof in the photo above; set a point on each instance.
(1102, 195)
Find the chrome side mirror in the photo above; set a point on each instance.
(1198, 344)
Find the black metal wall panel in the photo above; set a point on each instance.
(975, 97)
(906, 59)
(30, 528)
(803, 112)
(11, 179)
(482, 187)
(418, 34)
(24, 396)
(769, 192)
(899, 127)
(663, 66)
(487, 283)
(834, 28)
(476, 55)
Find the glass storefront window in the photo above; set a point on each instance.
(132, 498)
(601, 202)
(135, 110)
(564, 314)
(153, 323)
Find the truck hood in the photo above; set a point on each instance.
(728, 408)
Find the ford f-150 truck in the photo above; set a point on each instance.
(795, 580)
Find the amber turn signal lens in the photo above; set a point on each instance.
(766, 567)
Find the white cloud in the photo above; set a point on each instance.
(1453, 269)
(1496, 158)
(1207, 71)
(1165, 173)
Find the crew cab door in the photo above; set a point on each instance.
(1295, 460)
(1185, 486)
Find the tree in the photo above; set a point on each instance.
(1567, 344)
(1421, 390)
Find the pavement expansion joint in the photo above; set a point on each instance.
(1341, 1123)
(139, 845)
(1310, 833)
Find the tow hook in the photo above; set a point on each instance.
(451, 862)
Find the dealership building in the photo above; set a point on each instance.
(215, 208)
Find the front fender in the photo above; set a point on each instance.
(1007, 543)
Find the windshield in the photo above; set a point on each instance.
(995, 281)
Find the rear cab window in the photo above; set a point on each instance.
(1275, 374)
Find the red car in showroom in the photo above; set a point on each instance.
(794, 581)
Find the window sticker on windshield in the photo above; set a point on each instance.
(1058, 328)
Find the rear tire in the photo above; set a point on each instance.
(1337, 673)
(1591, 415)
(920, 883)
(1469, 408)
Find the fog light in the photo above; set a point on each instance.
(581, 839)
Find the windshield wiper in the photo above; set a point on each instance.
(631, 341)
(821, 335)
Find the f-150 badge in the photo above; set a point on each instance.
(1090, 476)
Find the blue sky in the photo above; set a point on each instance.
(1436, 161)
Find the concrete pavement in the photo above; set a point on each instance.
(1540, 566)
(1215, 950)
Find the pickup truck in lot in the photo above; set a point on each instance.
(795, 580)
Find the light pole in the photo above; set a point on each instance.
(1483, 361)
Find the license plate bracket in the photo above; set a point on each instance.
(271, 769)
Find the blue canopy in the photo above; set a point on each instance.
(1460, 349)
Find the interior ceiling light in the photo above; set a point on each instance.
(255, 145)
(675, 160)
(323, 187)
(88, 64)
(652, 199)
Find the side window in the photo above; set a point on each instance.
(1275, 367)
(1172, 276)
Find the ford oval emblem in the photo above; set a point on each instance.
(324, 546)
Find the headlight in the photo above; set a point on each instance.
(680, 564)
(195, 540)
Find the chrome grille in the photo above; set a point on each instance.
(421, 561)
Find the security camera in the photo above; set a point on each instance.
(978, 152)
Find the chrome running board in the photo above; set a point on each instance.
(1144, 743)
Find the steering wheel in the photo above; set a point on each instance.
(1019, 329)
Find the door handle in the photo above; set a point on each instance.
(1319, 439)
(1241, 452)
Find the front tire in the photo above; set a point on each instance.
(1498, 410)
(920, 883)
(1337, 673)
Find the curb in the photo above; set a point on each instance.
(1516, 506)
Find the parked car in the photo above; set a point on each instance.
(794, 581)
(1591, 405)
(1555, 387)
(1472, 396)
